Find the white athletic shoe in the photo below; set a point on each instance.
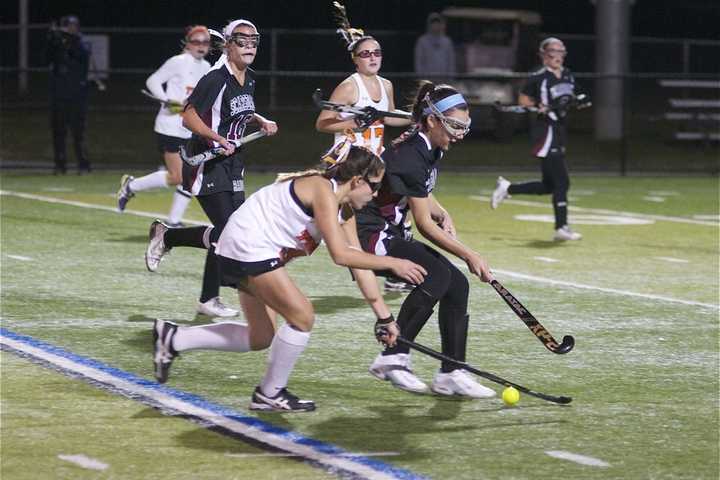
(156, 249)
(500, 193)
(563, 234)
(124, 194)
(215, 308)
(459, 382)
(396, 369)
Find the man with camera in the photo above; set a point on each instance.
(68, 55)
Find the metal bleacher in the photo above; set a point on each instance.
(699, 117)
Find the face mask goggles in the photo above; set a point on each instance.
(243, 40)
(454, 127)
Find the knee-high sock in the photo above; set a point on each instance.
(211, 277)
(453, 334)
(285, 349)
(188, 237)
(181, 200)
(414, 313)
(148, 182)
(227, 336)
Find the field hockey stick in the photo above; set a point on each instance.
(492, 377)
(166, 103)
(207, 155)
(579, 102)
(531, 322)
(341, 107)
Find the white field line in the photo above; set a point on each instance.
(547, 259)
(673, 260)
(348, 454)
(504, 272)
(19, 257)
(574, 457)
(277, 440)
(614, 291)
(603, 211)
(84, 462)
(72, 203)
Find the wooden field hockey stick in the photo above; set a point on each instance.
(531, 322)
(207, 155)
(492, 377)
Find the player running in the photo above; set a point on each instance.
(363, 89)
(442, 118)
(218, 112)
(552, 89)
(296, 213)
(179, 74)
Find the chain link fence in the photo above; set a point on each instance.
(669, 127)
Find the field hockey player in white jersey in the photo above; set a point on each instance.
(364, 88)
(180, 74)
(296, 213)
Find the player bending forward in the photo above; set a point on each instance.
(296, 212)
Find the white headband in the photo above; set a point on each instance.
(228, 30)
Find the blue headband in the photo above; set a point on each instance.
(446, 103)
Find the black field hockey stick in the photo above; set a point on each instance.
(579, 102)
(535, 327)
(492, 377)
(207, 155)
(341, 107)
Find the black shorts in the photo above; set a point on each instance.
(234, 273)
(169, 144)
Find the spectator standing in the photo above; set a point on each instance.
(434, 51)
(68, 55)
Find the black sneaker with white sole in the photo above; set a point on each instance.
(284, 401)
(164, 353)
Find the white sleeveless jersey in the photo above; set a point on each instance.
(272, 223)
(180, 74)
(372, 137)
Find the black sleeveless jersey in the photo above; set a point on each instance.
(226, 107)
(411, 170)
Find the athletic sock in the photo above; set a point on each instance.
(453, 325)
(285, 349)
(532, 188)
(186, 237)
(211, 277)
(560, 209)
(414, 313)
(227, 336)
(181, 200)
(149, 181)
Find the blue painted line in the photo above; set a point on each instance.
(220, 410)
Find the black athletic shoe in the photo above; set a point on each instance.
(284, 401)
(164, 353)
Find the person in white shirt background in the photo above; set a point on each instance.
(172, 84)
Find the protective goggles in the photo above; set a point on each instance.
(198, 43)
(454, 127)
(244, 40)
(556, 52)
(369, 53)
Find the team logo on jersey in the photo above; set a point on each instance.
(561, 89)
(430, 182)
(241, 103)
